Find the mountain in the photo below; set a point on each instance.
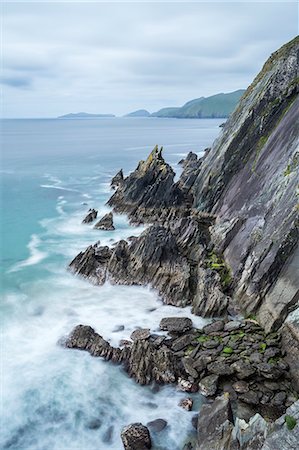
(219, 105)
(84, 115)
(139, 113)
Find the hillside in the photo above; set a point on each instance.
(138, 113)
(219, 105)
(84, 115)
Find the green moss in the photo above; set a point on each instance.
(189, 350)
(292, 166)
(202, 338)
(217, 263)
(227, 350)
(263, 347)
(251, 317)
(273, 360)
(291, 422)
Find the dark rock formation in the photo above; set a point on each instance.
(157, 425)
(91, 216)
(176, 324)
(215, 425)
(105, 223)
(117, 180)
(150, 185)
(249, 181)
(136, 437)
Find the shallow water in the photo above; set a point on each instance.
(52, 172)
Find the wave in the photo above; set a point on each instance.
(35, 256)
(61, 188)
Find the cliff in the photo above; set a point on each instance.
(249, 180)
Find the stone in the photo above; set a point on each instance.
(217, 325)
(215, 425)
(140, 334)
(208, 385)
(186, 385)
(250, 397)
(220, 368)
(243, 370)
(233, 325)
(182, 342)
(279, 398)
(188, 364)
(91, 216)
(136, 437)
(186, 403)
(105, 223)
(176, 324)
(157, 425)
(241, 387)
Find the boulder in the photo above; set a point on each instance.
(215, 425)
(208, 385)
(176, 324)
(157, 425)
(140, 334)
(136, 437)
(91, 216)
(186, 403)
(105, 223)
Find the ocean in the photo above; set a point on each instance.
(52, 172)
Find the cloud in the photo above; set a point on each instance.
(116, 57)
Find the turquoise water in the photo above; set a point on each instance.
(52, 171)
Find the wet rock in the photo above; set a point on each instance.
(186, 385)
(215, 425)
(194, 421)
(176, 324)
(140, 334)
(105, 223)
(91, 216)
(136, 437)
(107, 436)
(91, 263)
(125, 343)
(208, 385)
(186, 403)
(157, 425)
(117, 180)
(118, 328)
(182, 342)
(188, 364)
(94, 424)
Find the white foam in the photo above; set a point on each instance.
(35, 256)
(61, 188)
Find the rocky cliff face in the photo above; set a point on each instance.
(249, 180)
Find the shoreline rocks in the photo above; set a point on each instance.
(105, 223)
(91, 216)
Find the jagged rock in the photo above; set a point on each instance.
(91, 216)
(157, 425)
(208, 385)
(136, 437)
(150, 185)
(140, 335)
(220, 368)
(215, 425)
(250, 397)
(176, 324)
(117, 180)
(186, 403)
(92, 263)
(209, 300)
(233, 325)
(105, 223)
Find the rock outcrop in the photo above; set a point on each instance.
(91, 216)
(105, 223)
(136, 437)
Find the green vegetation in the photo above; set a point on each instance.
(291, 422)
(263, 347)
(202, 338)
(227, 350)
(219, 105)
(292, 166)
(217, 263)
(189, 350)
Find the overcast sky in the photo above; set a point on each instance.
(116, 57)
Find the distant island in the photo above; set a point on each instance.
(216, 106)
(139, 113)
(84, 115)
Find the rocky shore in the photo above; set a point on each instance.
(224, 240)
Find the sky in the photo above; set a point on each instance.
(116, 57)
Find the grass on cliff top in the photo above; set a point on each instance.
(291, 422)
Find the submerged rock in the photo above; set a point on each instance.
(105, 223)
(136, 437)
(91, 216)
(157, 425)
